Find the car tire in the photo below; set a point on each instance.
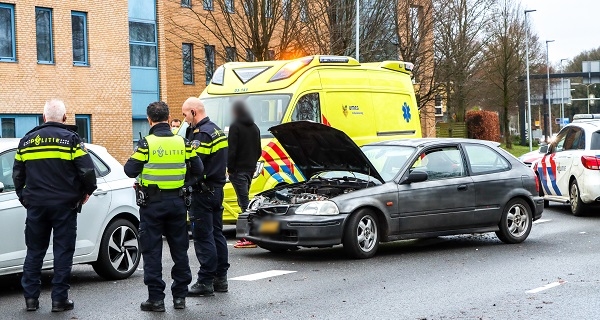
(516, 221)
(120, 253)
(361, 235)
(578, 208)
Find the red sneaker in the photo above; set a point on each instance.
(244, 244)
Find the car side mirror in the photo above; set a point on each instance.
(1, 187)
(415, 176)
(544, 149)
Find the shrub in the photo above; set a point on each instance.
(483, 125)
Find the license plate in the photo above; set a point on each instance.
(269, 227)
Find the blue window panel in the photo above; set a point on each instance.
(83, 123)
(80, 38)
(24, 124)
(140, 101)
(142, 9)
(8, 51)
(144, 79)
(43, 35)
(16, 126)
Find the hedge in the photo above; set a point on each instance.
(483, 125)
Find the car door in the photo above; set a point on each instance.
(445, 201)
(568, 160)
(553, 179)
(12, 216)
(492, 179)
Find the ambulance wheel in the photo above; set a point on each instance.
(578, 208)
(119, 254)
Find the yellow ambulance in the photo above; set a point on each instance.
(368, 101)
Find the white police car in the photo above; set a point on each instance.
(570, 171)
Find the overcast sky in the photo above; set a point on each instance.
(573, 24)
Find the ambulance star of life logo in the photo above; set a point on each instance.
(406, 112)
(37, 140)
(160, 151)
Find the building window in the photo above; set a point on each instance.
(186, 3)
(187, 53)
(250, 55)
(287, 9)
(80, 38)
(248, 6)
(271, 54)
(83, 127)
(8, 128)
(140, 127)
(142, 44)
(303, 11)
(230, 54)
(43, 35)
(17, 125)
(208, 5)
(7, 33)
(415, 16)
(209, 52)
(269, 8)
(229, 6)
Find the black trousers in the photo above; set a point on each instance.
(241, 184)
(41, 221)
(167, 217)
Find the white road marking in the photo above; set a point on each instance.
(262, 275)
(542, 221)
(546, 287)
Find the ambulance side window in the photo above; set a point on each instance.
(307, 108)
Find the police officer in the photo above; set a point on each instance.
(161, 160)
(206, 212)
(54, 176)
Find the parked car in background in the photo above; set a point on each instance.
(532, 157)
(107, 227)
(570, 171)
(399, 189)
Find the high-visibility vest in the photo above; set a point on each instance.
(166, 165)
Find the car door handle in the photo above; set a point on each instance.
(100, 192)
(462, 187)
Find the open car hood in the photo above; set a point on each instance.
(316, 148)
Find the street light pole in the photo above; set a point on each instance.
(357, 30)
(549, 129)
(562, 94)
(528, 85)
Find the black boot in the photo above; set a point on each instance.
(156, 306)
(60, 306)
(201, 290)
(220, 284)
(32, 304)
(179, 303)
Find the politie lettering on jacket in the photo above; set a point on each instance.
(39, 140)
(162, 152)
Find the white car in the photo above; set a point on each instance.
(107, 227)
(570, 171)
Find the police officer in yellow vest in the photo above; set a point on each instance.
(161, 161)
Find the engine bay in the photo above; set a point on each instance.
(316, 189)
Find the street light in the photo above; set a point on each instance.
(562, 93)
(549, 129)
(528, 85)
(357, 23)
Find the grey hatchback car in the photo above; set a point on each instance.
(392, 190)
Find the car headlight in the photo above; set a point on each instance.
(318, 208)
(255, 203)
(260, 165)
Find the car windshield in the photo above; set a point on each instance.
(388, 160)
(267, 109)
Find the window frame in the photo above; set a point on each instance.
(466, 172)
(86, 62)
(228, 54)
(208, 5)
(12, 58)
(153, 44)
(96, 170)
(554, 144)
(51, 20)
(295, 107)
(210, 74)
(573, 131)
(468, 161)
(188, 3)
(250, 57)
(88, 120)
(191, 62)
(229, 6)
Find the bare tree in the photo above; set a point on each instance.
(459, 41)
(259, 30)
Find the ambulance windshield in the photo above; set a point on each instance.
(267, 110)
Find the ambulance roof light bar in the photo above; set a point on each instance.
(290, 68)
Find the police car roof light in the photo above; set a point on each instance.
(219, 76)
(586, 116)
(290, 68)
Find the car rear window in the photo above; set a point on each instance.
(595, 141)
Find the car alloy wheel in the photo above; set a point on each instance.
(574, 197)
(517, 220)
(123, 249)
(366, 233)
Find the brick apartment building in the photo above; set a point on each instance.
(107, 62)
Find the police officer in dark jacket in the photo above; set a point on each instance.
(161, 160)
(54, 176)
(206, 212)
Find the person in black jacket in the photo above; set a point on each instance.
(54, 176)
(244, 152)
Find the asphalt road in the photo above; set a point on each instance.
(463, 277)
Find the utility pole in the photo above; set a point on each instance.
(562, 94)
(528, 84)
(357, 23)
(549, 124)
